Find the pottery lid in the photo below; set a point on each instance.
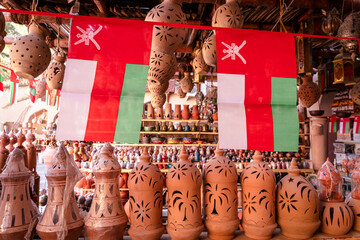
(15, 165)
(218, 151)
(145, 157)
(257, 156)
(106, 160)
(294, 169)
(183, 156)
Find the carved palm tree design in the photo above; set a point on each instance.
(185, 203)
(260, 172)
(224, 166)
(139, 174)
(252, 201)
(288, 201)
(217, 196)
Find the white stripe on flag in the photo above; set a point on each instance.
(232, 116)
(75, 99)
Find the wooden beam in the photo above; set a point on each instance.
(40, 19)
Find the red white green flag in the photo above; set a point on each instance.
(257, 90)
(344, 125)
(1, 83)
(104, 85)
(14, 84)
(32, 90)
(356, 129)
(333, 124)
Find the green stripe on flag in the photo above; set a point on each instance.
(335, 126)
(285, 114)
(131, 104)
(12, 92)
(33, 91)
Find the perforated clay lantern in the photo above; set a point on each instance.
(54, 74)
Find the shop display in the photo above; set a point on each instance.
(4, 152)
(54, 74)
(353, 200)
(258, 195)
(309, 92)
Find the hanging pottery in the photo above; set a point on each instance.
(4, 153)
(297, 205)
(209, 50)
(61, 216)
(31, 151)
(107, 218)
(184, 209)
(40, 86)
(258, 185)
(353, 200)
(199, 64)
(158, 88)
(54, 74)
(186, 83)
(162, 67)
(331, 22)
(17, 210)
(228, 15)
(355, 93)
(30, 55)
(309, 92)
(220, 197)
(180, 92)
(13, 141)
(157, 100)
(145, 197)
(350, 28)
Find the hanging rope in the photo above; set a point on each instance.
(281, 15)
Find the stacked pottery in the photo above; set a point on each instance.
(4, 152)
(17, 210)
(336, 217)
(54, 74)
(258, 183)
(145, 200)
(61, 216)
(107, 218)
(220, 196)
(20, 140)
(184, 210)
(309, 92)
(13, 140)
(297, 205)
(353, 200)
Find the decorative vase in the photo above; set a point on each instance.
(167, 111)
(31, 151)
(162, 67)
(54, 74)
(159, 113)
(309, 92)
(209, 50)
(184, 210)
(13, 141)
(150, 112)
(297, 205)
(145, 196)
(107, 218)
(215, 116)
(177, 113)
(185, 114)
(20, 140)
(258, 185)
(30, 55)
(17, 210)
(220, 197)
(186, 83)
(195, 112)
(355, 93)
(61, 215)
(4, 152)
(354, 205)
(228, 15)
(157, 100)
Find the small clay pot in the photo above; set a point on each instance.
(186, 83)
(336, 218)
(54, 74)
(195, 112)
(177, 113)
(185, 114)
(150, 112)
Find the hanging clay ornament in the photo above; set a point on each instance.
(228, 15)
(13, 141)
(17, 210)
(30, 55)
(167, 39)
(20, 140)
(40, 86)
(220, 194)
(31, 151)
(4, 152)
(158, 88)
(54, 74)
(162, 67)
(180, 92)
(258, 185)
(145, 196)
(199, 64)
(184, 210)
(209, 50)
(61, 216)
(297, 205)
(353, 200)
(309, 92)
(186, 83)
(107, 218)
(157, 100)
(355, 93)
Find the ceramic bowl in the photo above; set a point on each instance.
(316, 113)
(157, 140)
(149, 128)
(173, 140)
(187, 140)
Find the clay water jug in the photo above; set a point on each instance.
(61, 211)
(145, 200)
(297, 205)
(107, 218)
(184, 209)
(309, 92)
(17, 211)
(185, 114)
(258, 183)
(167, 111)
(220, 197)
(4, 152)
(177, 113)
(150, 112)
(31, 151)
(13, 140)
(20, 140)
(353, 200)
(195, 112)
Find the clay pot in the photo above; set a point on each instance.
(150, 112)
(31, 151)
(297, 205)
(30, 55)
(61, 207)
(215, 116)
(177, 113)
(157, 100)
(162, 67)
(180, 92)
(220, 197)
(145, 199)
(13, 140)
(20, 140)
(40, 87)
(17, 210)
(195, 112)
(336, 218)
(168, 111)
(4, 153)
(157, 88)
(184, 210)
(309, 92)
(185, 114)
(54, 74)
(107, 218)
(228, 15)
(186, 83)
(355, 93)
(209, 50)
(258, 184)
(354, 205)
(199, 64)
(159, 113)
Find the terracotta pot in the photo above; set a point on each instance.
(220, 197)
(195, 112)
(355, 93)
(30, 55)
(258, 184)
(157, 88)
(159, 113)
(336, 218)
(209, 50)
(4, 153)
(297, 205)
(150, 112)
(168, 111)
(309, 92)
(107, 218)
(16, 208)
(59, 211)
(199, 64)
(54, 74)
(184, 210)
(13, 140)
(354, 205)
(228, 15)
(20, 140)
(31, 151)
(215, 116)
(157, 100)
(145, 189)
(177, 113)
(162, 67)
(186, 83)
(185, 114)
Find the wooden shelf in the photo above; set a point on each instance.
(347, 142)
(183, 133)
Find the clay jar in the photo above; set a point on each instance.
(61, 207)
(159, 113)
(20, 140)
(17, 211)
(54, 74)
(184, 209)
(186, 83)
(309, 92)
(195, 112)
(107, 218)
(297, 205)
(4, 153)
(150, 112)
(177, 113)
(167, 111)
(228, 15)
(220, 197)
(31, 151)
(145, 200)
(258, 184)
(185, 114)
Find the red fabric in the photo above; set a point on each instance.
(32, 85)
